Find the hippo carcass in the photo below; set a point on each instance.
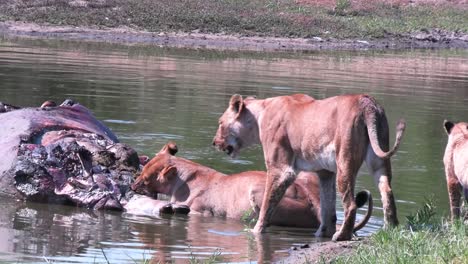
(63, 154)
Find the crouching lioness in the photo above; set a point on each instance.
(210, 192)
(456, 164)
(332, 137)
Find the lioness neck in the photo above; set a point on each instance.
(256, 107)
(250, 122)
(196, 177)
(188, 172)
(191, 172)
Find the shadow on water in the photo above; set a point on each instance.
(148, 96)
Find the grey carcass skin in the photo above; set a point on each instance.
(63, 154)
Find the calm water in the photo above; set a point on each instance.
(148, 96)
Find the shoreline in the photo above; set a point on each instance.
(433, 39)
(321, 252)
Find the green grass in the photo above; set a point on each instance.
(213, 258)
(249, 219)
(423, 240)
(284, 18)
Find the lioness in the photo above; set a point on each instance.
(210, 192)
(331, 137)
(456, 164)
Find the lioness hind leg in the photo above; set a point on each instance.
(327, 204)
(465, 205)
(382, 173)
(465, 191)
(345, 181)
(454, 190)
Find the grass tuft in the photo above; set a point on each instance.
(213, 258)
(249, 219)
(424, 240)
(424, 217)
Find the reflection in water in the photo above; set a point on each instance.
(39, 230)
(63, 233)
(148, 96)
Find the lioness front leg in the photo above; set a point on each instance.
(276, 184)
(327, 204)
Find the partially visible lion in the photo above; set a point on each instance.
(209, 192)
(456, 164)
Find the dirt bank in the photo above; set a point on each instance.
(260, 25)
(196, 40)
(319, 252)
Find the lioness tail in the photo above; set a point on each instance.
(361, 198)
(374, 118)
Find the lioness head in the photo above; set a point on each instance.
(158, 173)
(237, 127)
(456, 129)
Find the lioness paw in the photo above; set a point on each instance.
(339, 236)
(258, 229)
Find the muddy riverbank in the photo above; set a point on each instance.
(195, 40)
(320, 252)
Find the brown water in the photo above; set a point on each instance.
(148, 96)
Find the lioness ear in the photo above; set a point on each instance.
(170, 148)
(236, 103)
(448, 126)
(168, 172)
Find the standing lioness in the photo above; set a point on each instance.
(456, 164)
(331, 137)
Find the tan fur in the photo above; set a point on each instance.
(456, 164)
(331, 137)
(210, 192)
